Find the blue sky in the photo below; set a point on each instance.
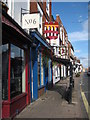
(74, 16)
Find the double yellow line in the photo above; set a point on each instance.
(87, 107)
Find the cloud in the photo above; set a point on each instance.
(80, 35)
(77, 51)
(84, 63)
(82, 58)
(80, 16)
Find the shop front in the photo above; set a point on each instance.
(40, 70)
(15, 67)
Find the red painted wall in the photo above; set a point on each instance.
(10, 109)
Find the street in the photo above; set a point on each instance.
(85, 91)
(85, 82)
(43, 58)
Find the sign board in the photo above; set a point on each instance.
(30, 21)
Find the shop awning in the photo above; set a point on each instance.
(35, 34)
(10, 27)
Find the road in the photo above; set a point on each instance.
(85, 83)
(85, 91)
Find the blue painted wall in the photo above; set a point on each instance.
(35, 74)
(40, 67)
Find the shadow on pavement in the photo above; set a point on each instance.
(62, 90)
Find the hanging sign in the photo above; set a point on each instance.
(30, 21)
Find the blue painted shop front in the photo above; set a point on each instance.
(40, 75)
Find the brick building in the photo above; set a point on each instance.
(45, 10)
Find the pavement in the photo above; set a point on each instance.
(53, 103)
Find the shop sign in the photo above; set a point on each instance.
(30, 21)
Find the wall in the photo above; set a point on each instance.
(15, 9)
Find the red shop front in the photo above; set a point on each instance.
(15, 67)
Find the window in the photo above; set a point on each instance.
(42, 81)
(38, 69)
(56, 28)
(49, 34)
(54, 44)
(5, 57)
(17, 69)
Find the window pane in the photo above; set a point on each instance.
(42, 82)
(38, 69)
(17, 59)
(5, 72)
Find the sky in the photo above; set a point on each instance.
(74, 16)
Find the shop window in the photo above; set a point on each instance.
(5, 53)
(38, 69)
(17, 70)
(42, 81)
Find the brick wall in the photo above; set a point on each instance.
(34, 9)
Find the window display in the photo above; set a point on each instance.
(5, 57)
(17, 69)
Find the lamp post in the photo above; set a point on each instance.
(71, 84)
